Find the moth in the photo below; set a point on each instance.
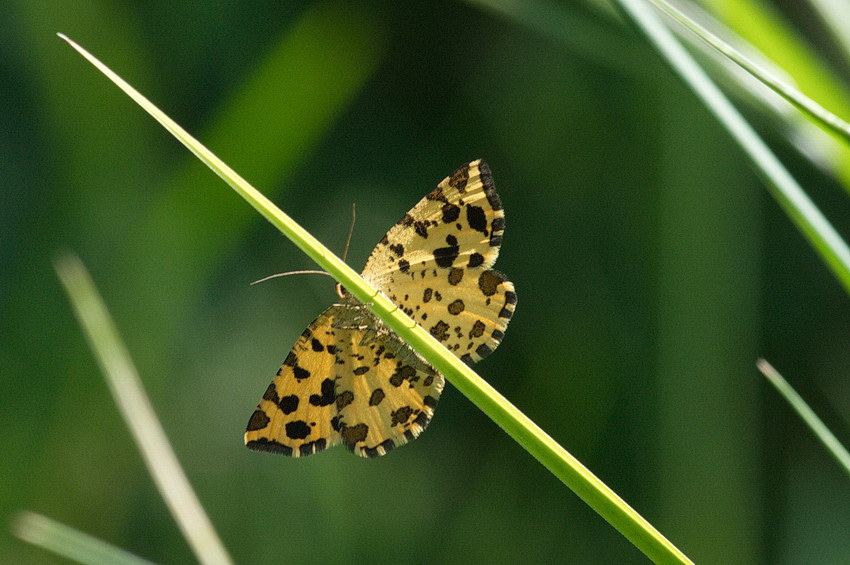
(351, 380)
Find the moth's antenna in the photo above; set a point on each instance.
(350, 231)
(339, 289)
(287, 273)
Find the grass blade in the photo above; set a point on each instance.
(828, 121)
(826, 437)
(71, 544)
(833, 15)
(136, 409)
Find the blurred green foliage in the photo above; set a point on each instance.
(651, 270)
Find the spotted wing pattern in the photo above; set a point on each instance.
(347, 380)
(435, 264)
(351, 380)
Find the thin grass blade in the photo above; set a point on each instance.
(819, 115)
(70, 543)
(826, 437)
(136, 409)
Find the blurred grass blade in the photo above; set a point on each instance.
(782, 186)
(763, 25)
(70, 543)
(135, 407)
(539, 444)
(815, 112)
(833, 15)
(806, 413)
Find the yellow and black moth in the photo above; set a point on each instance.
(349, 379)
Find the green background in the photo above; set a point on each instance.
(651, 267)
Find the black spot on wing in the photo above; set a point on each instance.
(456, 307)
(377, 397)
(446, 256)
(327, 397)
(440, 331)
(352, 435)
(288, 404)
(477, 329)
(401, 415)
(401, 374)
(300, 373)
(459, 178)
(298, 429)
(421, 229)
(271, 394)
(476, 218)
(451, 213)
(343, 399)
(258, 421)
(489, 281)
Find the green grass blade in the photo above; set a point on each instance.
(554, 457)
(136, 409)
(833, 15)
(70, 543)
(763, 26)
(782, 186)
(826, 437)
(819, 115)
